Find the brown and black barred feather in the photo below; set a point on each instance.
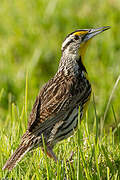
(55, 112)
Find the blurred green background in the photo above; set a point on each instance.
(31, 34)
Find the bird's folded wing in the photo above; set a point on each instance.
(54, 100)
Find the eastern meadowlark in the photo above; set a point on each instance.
(54, 114)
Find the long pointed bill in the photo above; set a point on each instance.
(93, 32)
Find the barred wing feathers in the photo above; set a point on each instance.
(56, 97)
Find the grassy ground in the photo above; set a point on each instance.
(31, 33)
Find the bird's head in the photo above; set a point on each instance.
(77, 41)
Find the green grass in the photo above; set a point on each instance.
(94, 157)
(31, 34)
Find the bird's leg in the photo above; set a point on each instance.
(50, 153)
(71, 156)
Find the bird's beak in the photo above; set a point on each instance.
(93, 32)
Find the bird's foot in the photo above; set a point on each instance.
(50, 153)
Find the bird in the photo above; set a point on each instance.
(54, 115)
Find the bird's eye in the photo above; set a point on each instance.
(76, 37)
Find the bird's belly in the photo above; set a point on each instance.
(69, 126)
(70, 123)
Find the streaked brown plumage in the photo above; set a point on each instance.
(55, 111)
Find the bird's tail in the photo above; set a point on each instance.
(17, 155)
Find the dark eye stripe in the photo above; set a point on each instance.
(76, 37)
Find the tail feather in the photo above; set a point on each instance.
(17, 155)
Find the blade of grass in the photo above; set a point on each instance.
(58, 170)
(96, 121)
(109, 101)
(87, 135)
(26, 97)
(10, 104)
(46, 159)
(66, 170)
(108, 173)
(117, 128)
(96, 152)
(84, 165)
(116, 176)
(96, 160)
(79, 171)
(13, 113)
(1, 93)
(81, 154)
(109, 163)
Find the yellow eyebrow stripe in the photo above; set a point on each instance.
(80, 33)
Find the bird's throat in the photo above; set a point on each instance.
(83, 48)
(73, 63)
